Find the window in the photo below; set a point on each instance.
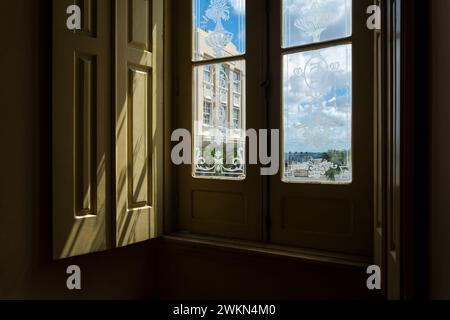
(224, 96)
(223, 78)
(218, 29)
(317, 91)
(236, 88)
(323, 194)
(318, 115)
(236, 117)
(222, 115)
(219, 153)
(207, 113)
(315, 21)
(236, 82)
(207, 75)
(305, 71)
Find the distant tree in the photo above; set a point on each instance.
(339, 159)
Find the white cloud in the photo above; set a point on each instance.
(238, 6)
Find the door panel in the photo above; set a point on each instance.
(326, 213)
(138, 118)
(81, 137)
(227, 208)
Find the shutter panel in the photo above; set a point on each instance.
(81, 129)
(138, 119)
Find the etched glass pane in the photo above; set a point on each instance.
(311, 21)
(219, 121)
(317, 115)
(219, 29)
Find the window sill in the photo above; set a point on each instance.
(277, 251)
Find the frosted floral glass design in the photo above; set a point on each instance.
(219, 29)
(219, 120)
(317, 115)
(312, 21)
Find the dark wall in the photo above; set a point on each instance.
(440, 150)
(26, 266)
(202, 272)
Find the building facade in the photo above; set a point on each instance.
(219, 111)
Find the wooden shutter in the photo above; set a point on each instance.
(138, 119)
(393, 170)
(379, 146)
(387, 253)
(81, 129)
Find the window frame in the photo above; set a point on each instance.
(187, 45)
(209, 113)
(221, 242)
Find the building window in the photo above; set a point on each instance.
(224, 96)
(237, 88)
(222, 115)
(207, 106)
(207, 78)
(223, 79)
(236, 118)
(236, 82)
(236, 100)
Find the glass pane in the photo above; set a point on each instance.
(317, 89)
(219, 121)
(219, 29)
(311, 21)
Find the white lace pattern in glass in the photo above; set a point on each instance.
(312, 21)
(219, 29)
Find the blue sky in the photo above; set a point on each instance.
(235, 25)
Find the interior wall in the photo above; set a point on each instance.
(439, 268)
(26, 266)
